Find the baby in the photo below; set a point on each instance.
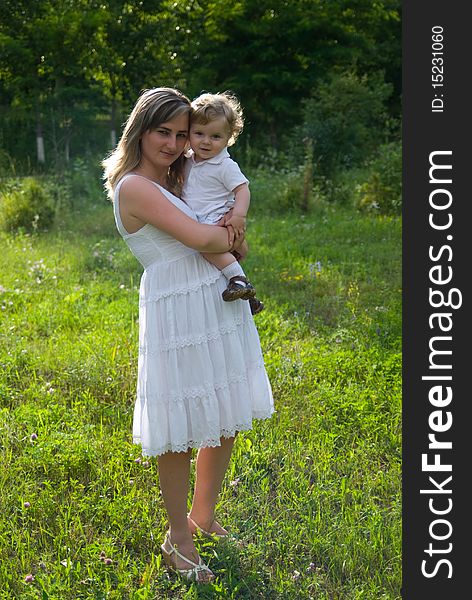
(215, 188)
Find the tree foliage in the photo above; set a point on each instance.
(346, 119)
(273, 53)
(73, 68)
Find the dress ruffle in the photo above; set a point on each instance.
(201, 373)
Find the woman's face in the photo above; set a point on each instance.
(161, 146)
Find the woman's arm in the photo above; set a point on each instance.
(142, 202)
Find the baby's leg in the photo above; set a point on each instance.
(241, 252)
(226, 263)
(239, 287)
(225, 259)
(238, 284)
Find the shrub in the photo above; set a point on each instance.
(382, 192)
(346, 118)
(341, 189)
(26, 205)
(84, 181)
(287, 191)
(290, 192)
(7, 163)
(280, 187)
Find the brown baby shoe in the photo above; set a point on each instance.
(256, 305)
(239, 288)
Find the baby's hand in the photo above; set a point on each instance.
(238, 222)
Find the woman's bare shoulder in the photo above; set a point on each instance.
(134, 181)
(141, 202)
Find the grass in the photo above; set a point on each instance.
(313, 494)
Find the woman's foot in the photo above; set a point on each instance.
(210, 528)
(238, 288)
(184, 559)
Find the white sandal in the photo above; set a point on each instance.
(189, 574)
(208, 533)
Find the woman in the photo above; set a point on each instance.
(201, 376)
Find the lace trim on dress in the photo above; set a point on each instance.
(184, 342)
(210, 280)
(207, 443)
(202, 392)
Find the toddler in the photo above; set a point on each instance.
(215, 188)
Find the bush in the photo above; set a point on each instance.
(382, 192)
(26, 205)
(282, 192)
(347, 119)
(290, 192)
(278, 186)
(341, 189)
(83, 181)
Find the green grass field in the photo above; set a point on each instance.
(313, 494)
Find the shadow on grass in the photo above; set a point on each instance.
(233, 579)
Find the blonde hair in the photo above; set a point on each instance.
(208, 107)
(153, 107)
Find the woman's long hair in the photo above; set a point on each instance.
(153, 107)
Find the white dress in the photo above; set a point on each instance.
(201, 373)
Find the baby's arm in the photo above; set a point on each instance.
(242, 198)
(234, 220)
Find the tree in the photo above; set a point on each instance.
(22, 85)
(45, 49)
(68, 66)
(130, 51)
(346, 119)
(78, 56)
(273, 53)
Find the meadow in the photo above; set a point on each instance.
(313, 495)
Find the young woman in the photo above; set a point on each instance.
(201, 375)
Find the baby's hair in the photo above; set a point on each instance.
(208, 107)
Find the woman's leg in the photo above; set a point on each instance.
(174, 471)
(211, 467)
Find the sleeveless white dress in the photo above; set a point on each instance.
(201, 373)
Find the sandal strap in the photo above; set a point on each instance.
(198, 526)
(207, 533)
(240, 278)
(196, 568)
(193, 573)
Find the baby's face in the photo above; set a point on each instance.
(209, 140)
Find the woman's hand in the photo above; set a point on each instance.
(231, 235)
(238, 222)
(235, 236)
(225, 218)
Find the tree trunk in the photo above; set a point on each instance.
(55, 143)
(39, 139)
(67, 149)
(308, 174)
(113, 122)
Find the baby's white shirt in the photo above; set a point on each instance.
(209, 184)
